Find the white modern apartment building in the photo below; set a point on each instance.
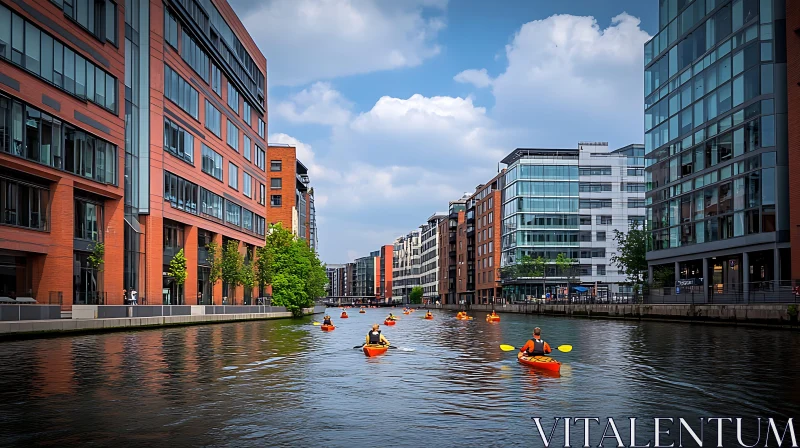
(406, 265)
(611, 192)
(429, 257)
(570, 201)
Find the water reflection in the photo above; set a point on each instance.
(287, 383)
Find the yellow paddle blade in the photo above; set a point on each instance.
(317, 323)
(507, 348)
(564, 348)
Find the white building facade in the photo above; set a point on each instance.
(429, 257)
(406, 265)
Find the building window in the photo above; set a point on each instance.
(246, 151)
(635, 188)
(181, 193)
(23, 204)
(594, 203)
(262, 128)
(637, 221)
(262, 194)
(636, 203)
(275, 165)
(212, 162)
(88, 220)
(275, 183)
(593, 187)
(275, 200)
(194, 56)
(210, 204)
(233, 136)
(601, 269)
(233, 98)
(34, 135)
(213, 119)
(233, 176)
(233, 213)
(247, 113)
(601, 236)
(97, 17)
(260, 157)
(635, 171)
(247, 185)
(604, 220)
(180, 92)
(216, 80)
(178, 142)
(595, 171)
(23, 44)
(170, 28)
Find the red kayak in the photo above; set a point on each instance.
(540, 362)
(429, 317)
(375, 349)
(388, 322)
(344, 316)
(328, 327)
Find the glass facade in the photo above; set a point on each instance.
(710, 122)
(540, 210)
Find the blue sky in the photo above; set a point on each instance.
(398, 107)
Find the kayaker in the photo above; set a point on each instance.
(494, 314)
(327, 320)
(429, 314)
(391, 317)
(375, 336)
(536, 346)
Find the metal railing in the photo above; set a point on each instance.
(90, 298)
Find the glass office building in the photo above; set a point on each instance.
(715, 144)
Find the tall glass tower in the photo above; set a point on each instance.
(716, 145)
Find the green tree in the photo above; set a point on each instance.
(415, 296)
(95, 258)
(232, 262)
(565, 266)
(247, 275)
(214, 260)
(177, 267)
(664, 276)
(296, 274)
(631, 254)
(263, 268)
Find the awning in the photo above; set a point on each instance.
(580, 288)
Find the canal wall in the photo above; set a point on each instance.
(15, 329)
(751, 314)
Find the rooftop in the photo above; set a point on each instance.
(521, 153)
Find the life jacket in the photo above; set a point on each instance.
(538, 347)
(327, 322)
(374, 338)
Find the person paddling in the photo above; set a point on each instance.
(327, 320)
(375, 337)
(429, 314)
(494, 313)
(391, 317)
(535, 346)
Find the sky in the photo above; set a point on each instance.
(400, 106)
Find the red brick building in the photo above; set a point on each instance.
(488, 221)
(148, 141)
(290, 200)
(448, 251)
(385, 272)
(793, 113)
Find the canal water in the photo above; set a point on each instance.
(286, 383)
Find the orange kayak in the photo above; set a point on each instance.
(492, 318)
(464, 318)
(375, 349)
(388, 322)
(344, 316)
(429, 317)
(328, 327)
(406, 312)
(362, 312)
(540, 362)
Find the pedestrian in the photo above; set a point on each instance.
(134, 297)
(199, 298)
(125, 297)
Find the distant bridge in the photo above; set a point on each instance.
(334, 301)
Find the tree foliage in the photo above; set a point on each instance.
(95, 258)
(296, 274)
(232, 262)
(415, 296)
(564, 264)
(247, 275)
(631, 255)
(214, 260)
(177, 267)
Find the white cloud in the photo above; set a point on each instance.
(478, 78)
(319, 104)
(308, 40)
(569, 80)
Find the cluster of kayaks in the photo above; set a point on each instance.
(545, 363)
